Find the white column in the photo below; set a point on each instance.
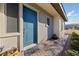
(2, 19)
(21, 27)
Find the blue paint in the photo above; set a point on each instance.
(29, 26)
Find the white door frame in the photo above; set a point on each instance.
(21, 25)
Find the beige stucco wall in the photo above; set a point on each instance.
(59, 26)
(8, 42)
(63, 23)
(56, 26)
(57, 19)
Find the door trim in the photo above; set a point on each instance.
(30, 7)
(29, 46)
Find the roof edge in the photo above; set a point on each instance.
(60, 9)
(61, 5)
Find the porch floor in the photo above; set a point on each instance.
(48, 48)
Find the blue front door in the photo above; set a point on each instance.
(29, 26)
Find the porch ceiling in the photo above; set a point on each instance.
(48, 8)
(54, 10)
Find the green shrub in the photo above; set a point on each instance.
(74, 41)
(74, 34)
(72, 52)
(74, 45)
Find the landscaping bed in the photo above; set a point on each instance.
(11, 52)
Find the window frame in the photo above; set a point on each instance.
(18, 21)
(48, 18)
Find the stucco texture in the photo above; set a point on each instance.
(44, 31)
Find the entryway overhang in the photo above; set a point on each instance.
(54, 9)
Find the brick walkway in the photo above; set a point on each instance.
(48, 48)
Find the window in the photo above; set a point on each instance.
(12, 11)
(48, 21)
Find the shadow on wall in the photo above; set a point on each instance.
(50, 28)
